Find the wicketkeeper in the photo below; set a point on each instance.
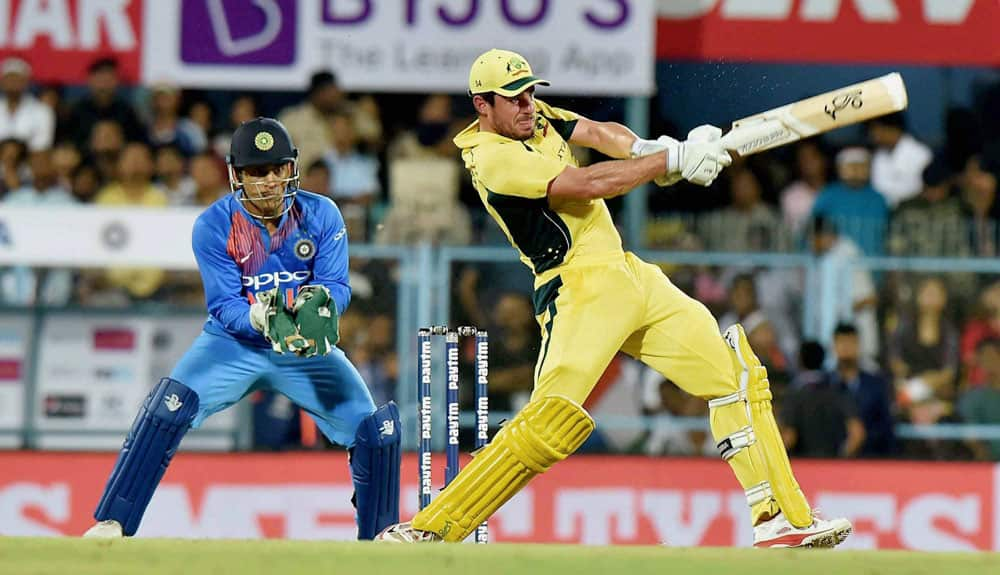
(274, 263)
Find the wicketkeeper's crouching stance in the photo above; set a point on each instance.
(274, 263)
(592, 299)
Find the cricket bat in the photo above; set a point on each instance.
(805, 118)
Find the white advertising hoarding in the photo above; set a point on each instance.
(91, 236)
(584, 47)
(95, 371)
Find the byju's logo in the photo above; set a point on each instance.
(260, 32)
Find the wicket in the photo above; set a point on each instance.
(452, 412)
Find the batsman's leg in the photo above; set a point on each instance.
(214, 373)
(330, 389)
(586, 314)
(682, 342)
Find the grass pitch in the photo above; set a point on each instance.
(70, 556)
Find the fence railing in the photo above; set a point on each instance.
(425, 279)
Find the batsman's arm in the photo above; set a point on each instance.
(330, 265)
(609, 138)
(606, 179)
(221, 278)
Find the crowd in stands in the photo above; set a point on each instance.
(896, 346)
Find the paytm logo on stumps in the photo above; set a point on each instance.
(254, 32)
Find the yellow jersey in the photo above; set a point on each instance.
(513, 178)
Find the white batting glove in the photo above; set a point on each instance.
(662, 144)
(701, 157)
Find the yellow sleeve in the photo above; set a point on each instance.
(562, 120)
(514, 169)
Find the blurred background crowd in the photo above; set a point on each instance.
(897, 347)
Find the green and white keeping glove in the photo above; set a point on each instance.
(317, 320)
(272, 319)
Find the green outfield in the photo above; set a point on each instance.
(31, 556)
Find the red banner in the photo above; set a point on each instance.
(60, 38)
(587, 499)
(836, 31)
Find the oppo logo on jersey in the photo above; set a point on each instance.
(268, 281)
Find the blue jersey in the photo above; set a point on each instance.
(238, 258)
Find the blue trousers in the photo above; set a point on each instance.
(222, 371)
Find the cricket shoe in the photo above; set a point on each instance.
(107, 529)
(823, 533)
(405, 533)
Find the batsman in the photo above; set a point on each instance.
(274, 264)
(593, 299)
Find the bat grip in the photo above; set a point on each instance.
(748, 139)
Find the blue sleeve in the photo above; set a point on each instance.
(819, 206)
(330, 267)
(221, 278)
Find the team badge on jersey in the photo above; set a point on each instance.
(304, 249)
(264, 141)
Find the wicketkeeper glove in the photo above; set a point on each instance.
(272, 319)
(317, 320)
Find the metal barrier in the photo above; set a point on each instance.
(426, 280)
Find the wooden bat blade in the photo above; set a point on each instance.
(822, 113)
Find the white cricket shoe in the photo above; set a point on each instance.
(405, 533)
(108, 529)
(778, 532)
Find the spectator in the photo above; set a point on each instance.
(43, 186)
(22, 285)
(202, 115)
(819, 419)
(984, 323)
(923, 349)
(354, 173)
(424, 205)
(317, 178)
(742, 301)
(102, 103)
(899, 159)
(53, 98)
(843, 290)
(66, 158)
(748, 224)
(515, 342)
(106, 143)
(309, 123)
(22, 116)
(168, 127)
(858, 211)
(85, 182)
(871, 392)
(243, 109)
(982, 404)
(431, 137)
(979, 191)
(797, 199)
(14, 171)
(171, 176)
(662, 398)
(208, 177)
(931, 224)
(134, 187)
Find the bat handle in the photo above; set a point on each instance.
(750, 138)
